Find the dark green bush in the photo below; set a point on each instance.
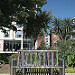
(4, 58)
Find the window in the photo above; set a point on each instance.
(55, 41)
(7, 33)
(12, 45)
(18, 33)
(19, 26)
(46, 39)
(54, 36)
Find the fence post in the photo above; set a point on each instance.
(13, 70)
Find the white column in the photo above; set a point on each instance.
(22, 39)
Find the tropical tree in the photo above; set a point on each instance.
(67, 27)
(36, 25)
(57, 26)
(62, 27)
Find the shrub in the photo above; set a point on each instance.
(66, 51)
(12, 56)
(4, 58)
(43, 46)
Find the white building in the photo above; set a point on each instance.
(10, 41)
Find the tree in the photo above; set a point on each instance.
(62, 27)
(57, 26)
(42, 46)
(36, 25)
(23, 12)
(67, 27)
(18, 11)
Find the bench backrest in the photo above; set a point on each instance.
(37, 58)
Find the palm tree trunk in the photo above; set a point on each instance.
(34, 44)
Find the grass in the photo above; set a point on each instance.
(69, 70)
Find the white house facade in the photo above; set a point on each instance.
(10, 41)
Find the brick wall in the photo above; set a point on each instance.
(40, 38)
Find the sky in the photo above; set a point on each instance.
(61, 8)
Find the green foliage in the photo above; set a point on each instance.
(4, 58)
(62, 27)
(18, 11)
(69, 70)
(67, 52)
(12, 56)
(27, 13)
(35, 25)
(43, 46)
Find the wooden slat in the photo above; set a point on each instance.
(22, 58)
(48, 58)
(35, 58)
(57, 57)
(44, 57)
(30, 58)
(18, 59)
(39, 59)
(52, 59)
(26, 57)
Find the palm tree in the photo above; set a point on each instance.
(57, 26)
(67, 26)
(40, 22)
(62, 27)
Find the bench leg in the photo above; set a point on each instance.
(51, 71)
(23, 71)
(62, 72)
(14, 71)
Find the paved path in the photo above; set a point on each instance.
(4, 74)
(69, 73)
(65, 74)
